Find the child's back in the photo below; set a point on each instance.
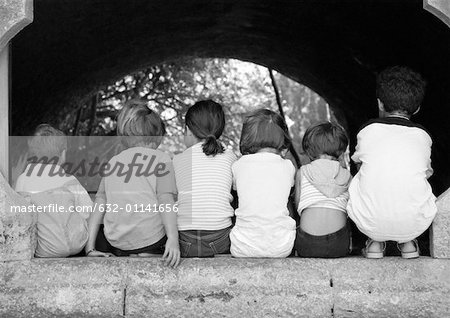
(204, 180)
(62, 227)
(322, 194)
(263, 180)
(263, 226)
(133, 220)
(390, 196)
(204, 185)
(136, 195)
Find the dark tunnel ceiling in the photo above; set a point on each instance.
(334, 47)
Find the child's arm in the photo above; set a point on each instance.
(82, 199)
(165, 189)
(429, 171)
(169, 218)
(94, 222)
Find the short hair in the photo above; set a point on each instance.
(400, 89)
(325, 139)
(264, 128)
(136, 119)
(47, 142)
(206, 120)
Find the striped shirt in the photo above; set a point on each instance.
(311, 197)
(204, 189)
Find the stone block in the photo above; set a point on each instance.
(440, 229)
(225, 287)
(391, 287)
(230, 287)
(17, 229)
(62, 287)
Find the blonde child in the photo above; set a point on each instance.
(321, 194)
(263, 180)
(136, 204)
(390, 197)
(45, 182)
(204, 180)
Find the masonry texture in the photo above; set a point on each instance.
(440, 231)
(225, 287)
(17, 230)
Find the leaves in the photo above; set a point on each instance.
(171, 88)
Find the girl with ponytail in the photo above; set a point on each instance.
(204, 180)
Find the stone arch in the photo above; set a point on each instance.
(14, 16)
(440, 8)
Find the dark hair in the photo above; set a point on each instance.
(47, 142)
(325, 139)
(136, 119)
(206, 120)
(263, 128)
(400, 89)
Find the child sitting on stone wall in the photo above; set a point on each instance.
(390, 197)
(135, 199)
(62, 204)
(321, 194)
(204, 180)
(263, 179)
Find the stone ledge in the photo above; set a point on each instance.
(440, 230)
(227, 287)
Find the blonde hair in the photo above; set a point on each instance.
(137, 120)
(47, 142)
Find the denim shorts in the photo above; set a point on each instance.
(155, 248)
(332, 245)
(202, 243)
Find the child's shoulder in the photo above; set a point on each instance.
(394, 121)
(141, 153)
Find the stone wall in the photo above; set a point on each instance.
(14, 16)
(17, 229)
(225, 287)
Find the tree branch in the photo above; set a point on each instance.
(280, 109)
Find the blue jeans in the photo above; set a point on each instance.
(332, 245)
(155, 248)
(202, 243)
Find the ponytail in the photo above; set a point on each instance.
(212, 146)
(206, 120)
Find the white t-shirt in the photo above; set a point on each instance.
(204, 189)
(60, 233)
(44, 177)
(133, 221)
(390, 197)
(263, 226)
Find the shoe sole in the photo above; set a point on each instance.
(410, 255)
(373, 255)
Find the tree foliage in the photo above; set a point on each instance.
(171, 88)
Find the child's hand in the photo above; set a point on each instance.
(172, 253)
(95, 253)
